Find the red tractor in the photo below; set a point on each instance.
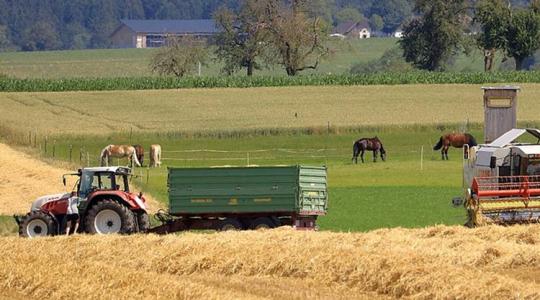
(106, 206)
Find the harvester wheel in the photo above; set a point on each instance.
(109, 216)
(36, 224)
(262, 223)
(143, 221)
(229, 224)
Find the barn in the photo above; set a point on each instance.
(153, 33)
(350, 29)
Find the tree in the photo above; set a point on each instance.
(494, 18)
(393, 12)
(376, 22)
(5, 43)
(242, 38)
(296, 39)
(179, 57)
(523, 36)
(430, 40)
(348, 14)
(41, 36)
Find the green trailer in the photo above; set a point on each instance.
(245, 197)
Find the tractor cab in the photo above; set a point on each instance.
(102, 178)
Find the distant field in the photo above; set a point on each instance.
(135, 62)
(230, 110)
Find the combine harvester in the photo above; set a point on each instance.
(222, 198)
(501, 180)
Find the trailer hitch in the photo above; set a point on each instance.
(18, 219)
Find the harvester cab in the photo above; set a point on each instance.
(501, 180)
(106, 205)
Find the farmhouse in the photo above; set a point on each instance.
(351, 29)
(153, 33)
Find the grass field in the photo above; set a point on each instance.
(237, 110)
(135, 62)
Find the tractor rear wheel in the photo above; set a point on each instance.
(143, 221)
(109, 216)
(262, 223)
(37, 224)
(229, 224)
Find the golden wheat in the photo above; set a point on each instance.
(437, 262)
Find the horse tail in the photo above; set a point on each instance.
(472, 141)
(439, 144)
(356, 149)
(104, 156)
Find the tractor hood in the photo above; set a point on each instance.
(46, 199)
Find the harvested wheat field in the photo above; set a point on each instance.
(437, 262)
(24, 178)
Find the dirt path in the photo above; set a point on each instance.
(24, 178)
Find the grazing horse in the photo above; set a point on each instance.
(371, 144)
(155, 156)
(140, 153)
(119, 151)
(455, 140)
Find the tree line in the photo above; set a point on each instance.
(446, 27)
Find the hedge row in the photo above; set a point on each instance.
(8, 84)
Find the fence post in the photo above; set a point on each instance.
(70, 152)
(422, 158)
(54, 149)
(248, 159)
(147, 174)
(46, 138)
(30, 138)
(80, 154)
(87, 159)
(35, 139)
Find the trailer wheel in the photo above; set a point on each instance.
(143, 221)
(109, 216)
(229, 224)
(37, 224)
(262, 223)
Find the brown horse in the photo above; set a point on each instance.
(371, 144)
(455, 140)
(119, 151)
(140, 153)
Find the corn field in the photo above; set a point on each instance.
(8, 84)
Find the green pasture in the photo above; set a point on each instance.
(106, 63)
(403, 191)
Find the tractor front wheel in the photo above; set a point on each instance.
(37, 224)
(109, 216)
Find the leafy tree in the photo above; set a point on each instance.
(393, 12)
(296, 39)
(494, 18)
(430, 40)
(5, 43)
(376, 22)
(41, 36)
(179, 57)
(523, 36)
(242, 39)
(348, 14)
(322, 9)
